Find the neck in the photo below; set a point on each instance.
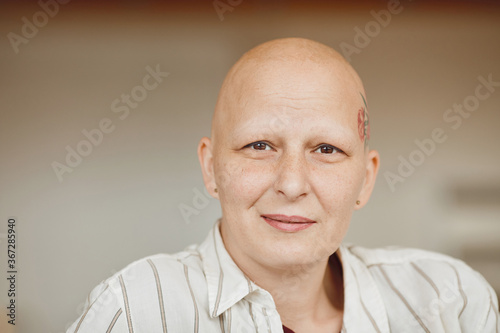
(305, 295)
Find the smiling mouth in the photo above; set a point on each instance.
(288, 223)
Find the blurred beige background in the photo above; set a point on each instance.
(124, 200)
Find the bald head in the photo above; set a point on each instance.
(285, 63)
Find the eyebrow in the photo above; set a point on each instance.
(337, 133)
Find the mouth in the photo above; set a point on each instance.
(288, 223)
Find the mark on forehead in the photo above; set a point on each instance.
(363, 122)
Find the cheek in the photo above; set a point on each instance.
(338, 189)
(242, 182)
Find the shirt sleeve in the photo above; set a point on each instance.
(491, 315)
(103, 311)
(480, 312)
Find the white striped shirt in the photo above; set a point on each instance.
(201, 289)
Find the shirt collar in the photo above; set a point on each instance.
(226, 283)
(361, 294)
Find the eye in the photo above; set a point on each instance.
(259, 145)
(328, 149)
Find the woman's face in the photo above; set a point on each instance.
(290, 144)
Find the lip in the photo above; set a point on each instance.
(286, 218)
(288, 223)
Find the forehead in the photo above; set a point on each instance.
(290, 92)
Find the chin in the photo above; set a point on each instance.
(282, 256)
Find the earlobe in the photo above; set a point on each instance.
(205, 156)
(372, 166)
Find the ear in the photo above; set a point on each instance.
(372, 165)
(205, 157)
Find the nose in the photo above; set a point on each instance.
(292, 179)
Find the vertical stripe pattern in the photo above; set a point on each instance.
(127, 306)
(426, 277)
(221, 279)
(368, 314)
(160, 295)
(408, 306)
(264, 311)
(228, 321)
(221, 323)
(115, 318)
(196, 314)
(86, 311)
(252, 316)
(461, 290)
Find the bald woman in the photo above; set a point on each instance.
(289, 161)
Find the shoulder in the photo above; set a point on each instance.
(168, 267)
(159, 268)
(141, 289)
(435, 283)
(395, 255)
(418, 262)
